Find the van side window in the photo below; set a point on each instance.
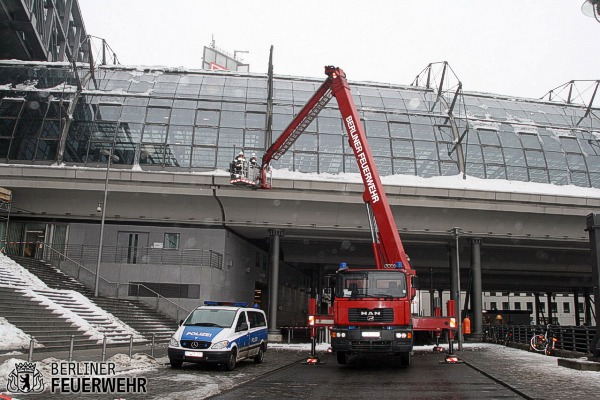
(241, 320)
(257, 319)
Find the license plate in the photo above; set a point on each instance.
(370, 334)
(194, 354)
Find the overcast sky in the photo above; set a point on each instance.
(510, 47)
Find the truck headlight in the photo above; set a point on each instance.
(401, 335)
(173, 342)
(221, 345)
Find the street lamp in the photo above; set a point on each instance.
(102, 206)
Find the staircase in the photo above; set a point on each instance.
(136, 314)
(51, 330)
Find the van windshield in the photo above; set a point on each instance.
(206, 317)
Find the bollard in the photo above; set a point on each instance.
(31, 346)
(71, 348)
(130, 345)
(289, 336)
(104, 349)
(152, 345)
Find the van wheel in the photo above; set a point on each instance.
(176, 363)
(258, 358)
(231, 361)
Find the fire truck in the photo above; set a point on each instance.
(370, 311)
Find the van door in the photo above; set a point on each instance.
(258, 328)
(241, 332)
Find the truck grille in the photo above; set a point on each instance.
(195, 344)
(366, 315)
(379, 345)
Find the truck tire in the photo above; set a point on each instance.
(342, 358)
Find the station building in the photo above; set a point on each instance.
(136, 159)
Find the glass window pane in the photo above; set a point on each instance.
(425, 150)
(538, 175)
(400, 130)
(180, 134)
(580, 179)
(230, 137)
(133, 114)
(559, 177)
(380, 147)
(495, 172)
(570, 145)
(178, 156)
(154, 134)
(183, 116)
(514, 157)
(330, 143)
(158, 115)
(402, 148)
(305, 162)
(329, 125)
(556, 160)
(576, 162)
(427, 168)
(254, 139)
(509, 139)
(535, 158)
(476, 169)
(516, 173)
(377, 128)
(404, 166)
(108, 112)
(330, 163)
(489, 137)
(207, 117)
(473, 154)
(206, 136)
(424, 132)
(152, 154)
(493, 155)
(384, 165)
(204, 157)
(232, 119)
(530, 141)
(308, 142)
(255, 120)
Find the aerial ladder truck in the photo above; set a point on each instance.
(371, 307)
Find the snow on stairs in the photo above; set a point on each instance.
(136, 314)
(38, 320)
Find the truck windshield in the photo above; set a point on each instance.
(375, 283)
(208, 317)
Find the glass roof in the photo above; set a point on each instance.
(196, 120)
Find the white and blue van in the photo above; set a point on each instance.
(222, 333)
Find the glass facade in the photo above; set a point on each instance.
(196, 120)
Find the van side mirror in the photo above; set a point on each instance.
(414, 285)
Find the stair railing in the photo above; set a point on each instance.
(117, 289)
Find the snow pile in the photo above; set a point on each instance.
(13, 337)
(18, 273)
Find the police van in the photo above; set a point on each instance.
(221, 333)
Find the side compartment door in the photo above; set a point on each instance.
(242, 335)
(258, 330)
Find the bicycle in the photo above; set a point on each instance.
(545, 343)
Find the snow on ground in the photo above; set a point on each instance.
(31, 284)
(13, 337)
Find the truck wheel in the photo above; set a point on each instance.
(231, 361)
(342, 358)
(258, 358)
(405, 359)
(176, 363)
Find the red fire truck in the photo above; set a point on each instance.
(371, 307)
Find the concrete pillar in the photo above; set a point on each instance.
(453, 280)
(274, 333)
(549, 307)
(587, 308)
(476, 291)
(537, 308)
(592, 225)
(575, 309)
